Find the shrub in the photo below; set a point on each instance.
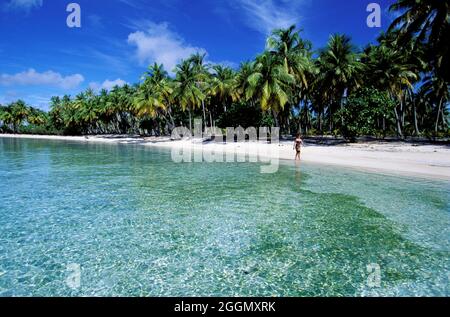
(363, 110)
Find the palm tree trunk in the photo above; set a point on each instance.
(308, 120)
(211, 120)
(399, 123)
(275, 117)
(331, 119)
(204, 114)
(438, 114)
(169, 111)
(320, 119)
(190, 120)
(416, 126)
(402, 111)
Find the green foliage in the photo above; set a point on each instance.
(398, 86)
(240, 114)
(267, 120)
(18, 115)
(364, 111)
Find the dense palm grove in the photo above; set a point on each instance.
(398, 87)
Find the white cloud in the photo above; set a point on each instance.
(48, 78)
(25, 5)
(157, 43)
(266, 15)
(107, 84)
(132, 3)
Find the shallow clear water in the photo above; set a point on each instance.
(140, 225)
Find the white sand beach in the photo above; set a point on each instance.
(400, 158)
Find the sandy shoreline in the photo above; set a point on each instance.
(427, 161)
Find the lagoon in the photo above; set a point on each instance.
(138, 224)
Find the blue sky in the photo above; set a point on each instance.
(40, 56)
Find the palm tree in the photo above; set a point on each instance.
(319, 96)
(147, 103)
(437, 91)
(126, 95)
(71, 119)
(84, 110)
(162, 88)
(55, 112)
(270, 84)
(294, 52)
(388, 69)
(186, 89)
(411, 55)
(339, 70)
(104, 102)
(200, 69)
(36, 116)
(19, 113)
(222, 87)
(6, 117)
(428, 21)
(296, 56)
(241, 85)
(120, 103)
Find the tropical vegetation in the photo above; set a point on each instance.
(398, 86)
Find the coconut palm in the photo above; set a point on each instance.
(428, 21)
(411, 55)
(296, 56)
(120, 101)
(202, 78)
(270, 83)
(389, 70)
(221, 86)
(6, 118)
(339, 70)
(241, 86)
(55, 113)
(186, 89)
(19, 113)
(158, 81)
(36, 116)
(436, 90)
(294, 52)
(70, 117)
(147, 103)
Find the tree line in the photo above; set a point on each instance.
(399, 86)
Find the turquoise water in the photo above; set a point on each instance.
(138, 224)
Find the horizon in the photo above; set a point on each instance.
(117, 41)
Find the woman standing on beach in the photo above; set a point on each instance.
(298, 146)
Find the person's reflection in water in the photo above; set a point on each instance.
(298, 172)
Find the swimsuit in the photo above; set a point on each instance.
(298, 146)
